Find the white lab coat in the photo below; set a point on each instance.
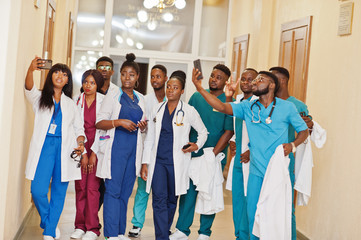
(112, 88)
(71, 128)
(245, 142)
(304, 164)
(206, 174)
(274, 207)
(80, 101)
(151, 102)
(180, 138)
(109, 110)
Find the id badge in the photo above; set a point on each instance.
(52, 128)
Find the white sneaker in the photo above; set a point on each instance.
(134, 232)
(57, 233)
(203, 237)
(89, 235)
(78, 233)
(46, 237)
(178, 235)
(122, 237)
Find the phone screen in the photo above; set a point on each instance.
(197, 65)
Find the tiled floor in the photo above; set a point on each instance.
(222, 227)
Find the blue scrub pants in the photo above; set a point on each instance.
(119, 188)
(253, 191)
(187, 205)
(239, 203)
(164, 199)
(49, 168)
(140, 203)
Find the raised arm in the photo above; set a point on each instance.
(34, 65)
(213, 100)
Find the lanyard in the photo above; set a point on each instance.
(56, 111)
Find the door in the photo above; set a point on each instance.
(48, 35)
(294, 54)
(239, 56)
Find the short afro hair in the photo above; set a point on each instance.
(281, 70)
(223, 68)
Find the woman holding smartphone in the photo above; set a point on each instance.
(167, 153)
(87, 189)
(58, 131)
(120, 149)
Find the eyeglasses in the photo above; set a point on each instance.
(258, 79)
(107, 68)
(76, 157)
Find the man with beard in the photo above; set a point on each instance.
(240, 220)
(158, 77)
(220, 128)
(283, 77)
(105, 67)
(267, 120)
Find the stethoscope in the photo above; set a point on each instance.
(82, 102)
(180, 111)
(268, 119)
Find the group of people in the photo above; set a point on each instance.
(108, 136)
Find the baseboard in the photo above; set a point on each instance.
(24, 222)
(300, 236)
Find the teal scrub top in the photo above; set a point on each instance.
(215, 122)
(265, 138)
(239, 132)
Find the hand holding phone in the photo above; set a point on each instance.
(197, 65)
(46, 62)
(186, 146)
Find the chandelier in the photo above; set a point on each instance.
(162, 4)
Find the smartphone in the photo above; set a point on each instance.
(186, 146)
(197, 65)
(47, 64)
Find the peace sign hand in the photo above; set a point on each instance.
(231, 87)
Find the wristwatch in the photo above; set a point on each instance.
(293, 147)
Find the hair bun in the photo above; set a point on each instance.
(130, 57)
(179, 74)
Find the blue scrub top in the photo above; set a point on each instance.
(165, 144)
(239, 132)
(129, 110)
(215, 122)
(57, 119)
(264, 138)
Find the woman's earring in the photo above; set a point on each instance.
(136, 85)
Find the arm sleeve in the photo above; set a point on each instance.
(198, 125)
(106, 108)
(33, 96)
(238, 109)
(295, 119)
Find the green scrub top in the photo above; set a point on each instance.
(215, 122)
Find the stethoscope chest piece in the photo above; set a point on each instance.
(268, 120)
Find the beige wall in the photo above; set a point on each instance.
(25, 40)
(334, 210)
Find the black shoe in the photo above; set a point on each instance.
(134, 232)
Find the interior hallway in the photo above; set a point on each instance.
(222, 226)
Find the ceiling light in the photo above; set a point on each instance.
(130, 42)
(95, 43)
(168, 17)
(90, 52)
(101, 33)
(119, 39)
(152, 25)
(139, 45)
(83, 58)
(142, 16)
(180, 4)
